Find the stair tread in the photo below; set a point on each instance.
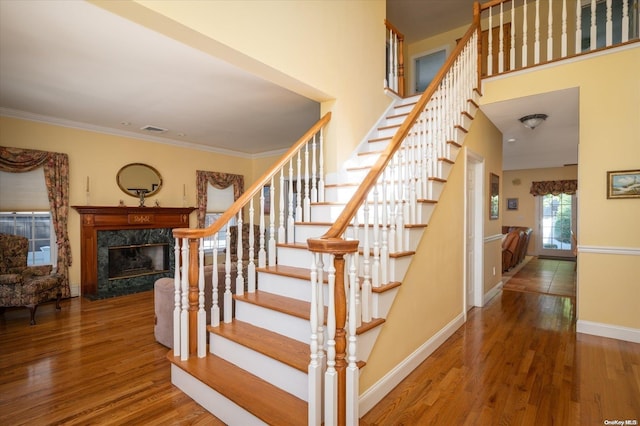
(288, 271)
(286, 350)
(241, 387)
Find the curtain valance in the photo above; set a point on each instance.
(554, 187)
(217, 180)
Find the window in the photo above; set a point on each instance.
(218, 200)
(36, 226)
(210, 242)
(427, 67)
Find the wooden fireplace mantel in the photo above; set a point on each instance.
(97, 218)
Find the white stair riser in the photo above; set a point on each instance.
(366, 342)
(339, 193)
(294, 288)
(382, 302)
(278, 374)
(287, 325)
(466, 121)
(224, 409)
(395, 119)
(331, 212)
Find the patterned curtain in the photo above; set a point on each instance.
(56, 176)
(217, 180)
(554, 187)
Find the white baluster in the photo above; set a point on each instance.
(375, 270)
(202, 314)
(227, 278)
(272, 225)
(315, 369)
(490, 44)
(281, 229)
(550, 32)
(240, 254)
(501, 43)
(609, 25)
(352, 367)
(177, 282)
(563, 42)
(321, 169)
(299, 191)
(262, 252)
(401, 201)
(392, 205)
(306, 217)
(322, 360)
(290, 220)
(314, 166)
(384, 248)
(251, 267)
(625, 21)
(184, 313)
(578, 27)
(536, 43)
(331, 375)
(594, 27)
(215, 308)
(366, 264)
(525, 42)
(512, 49)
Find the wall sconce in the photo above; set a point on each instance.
(532, 121)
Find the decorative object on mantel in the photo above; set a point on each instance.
(623, 184)
(157, 203)
(121, 204)
(532, 121)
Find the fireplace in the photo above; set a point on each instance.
(126, 249)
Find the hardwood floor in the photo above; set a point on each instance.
(516, 361)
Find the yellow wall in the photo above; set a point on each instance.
(609, 131)
(431, 295)
(329, 51)
(100, 156)
(516, 184)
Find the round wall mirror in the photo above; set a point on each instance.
(137, 178)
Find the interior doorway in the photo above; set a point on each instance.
(474, 219)
(556, 225)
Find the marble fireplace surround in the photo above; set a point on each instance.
(102, 227)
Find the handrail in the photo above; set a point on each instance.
(232, 211)
(333, 235)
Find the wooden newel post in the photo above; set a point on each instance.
(339, 248)
(193, 296)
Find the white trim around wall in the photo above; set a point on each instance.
(627, 251)
(382, 387)
(493, 292)
(491, 238)
(607, 330)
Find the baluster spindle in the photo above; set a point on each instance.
(283, 193)
(306, 217)
(272, 224)
(290, 220)
(227, 278)
(384, 248)
(299, 191)
(490, 44)
(331, 375)
(525, 41)
(240, 254)
(315, 369)
(578, 27)
(512, 48)
(215, 308)
(262, 253)
(352, 373)
(536, 43)
(392, 205)
(400, 212)
(563, 42)
(184, 313)
(251, 267)
(550, 32)
(625, 21)
(314, 171)
(366, 264)
(594, 27)
(202, 314)
(375, 270)
(177, 286)
(501, 41)
(321, 169)
(609, 26)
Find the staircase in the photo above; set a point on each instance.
(279, 360)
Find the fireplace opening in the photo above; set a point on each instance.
(138, 259)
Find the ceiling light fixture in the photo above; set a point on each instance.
(533, 120)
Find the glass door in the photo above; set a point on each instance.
(556, 224)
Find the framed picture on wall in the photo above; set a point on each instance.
(512, 204)
(494, 196)
(623, 184)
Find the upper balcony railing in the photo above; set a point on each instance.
(527, 33)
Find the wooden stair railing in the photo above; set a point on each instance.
(395, 59)
(434, 117)
(189, 315)
(527, 33)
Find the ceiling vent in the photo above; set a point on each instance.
(153, 129)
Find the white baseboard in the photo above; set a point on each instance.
(382, 387)
(491, 293)
(75, 290)
(607, 330)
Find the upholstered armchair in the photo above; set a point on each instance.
(22, 285)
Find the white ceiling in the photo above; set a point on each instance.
(75, 64)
